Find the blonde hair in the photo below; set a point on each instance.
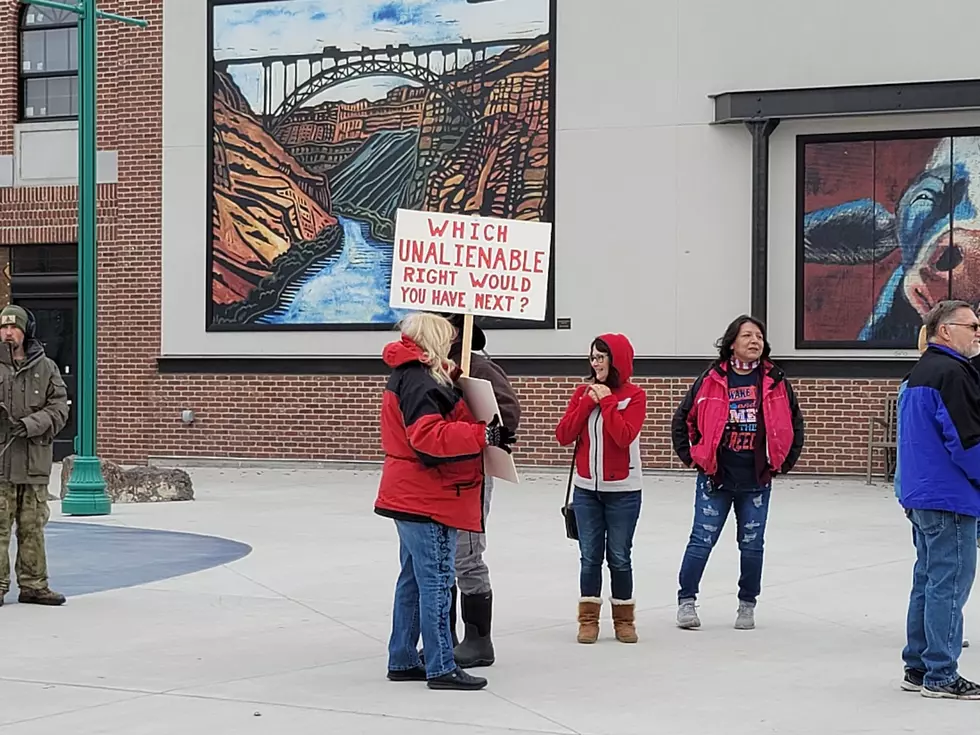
(434, 336)
(923, 342)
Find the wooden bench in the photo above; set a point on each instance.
(882, 434)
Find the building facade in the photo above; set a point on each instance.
(252, 155)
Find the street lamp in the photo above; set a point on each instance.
(86, 494)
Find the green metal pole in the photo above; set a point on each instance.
(86, 494)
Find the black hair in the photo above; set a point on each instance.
(724, 344)
(612, 380)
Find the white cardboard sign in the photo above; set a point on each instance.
(462, 264)
(483, 404)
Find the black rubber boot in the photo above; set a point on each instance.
(477, 648)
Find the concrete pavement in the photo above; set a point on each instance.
(291, 635)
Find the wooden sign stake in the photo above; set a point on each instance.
(464, 365)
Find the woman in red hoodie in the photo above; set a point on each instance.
(738, 425)
(431, 485)
(603, 420)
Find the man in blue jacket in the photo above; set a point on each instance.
(939, 450)
(897, 478)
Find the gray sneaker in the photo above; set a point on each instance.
(746, 616)
(959, 689)
(687, 615)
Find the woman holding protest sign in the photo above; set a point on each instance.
(431, 485)
(603, 419)
(738, 426)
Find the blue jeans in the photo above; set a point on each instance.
(422, 599)
(711, 508)
(945, 565)
(606, 522)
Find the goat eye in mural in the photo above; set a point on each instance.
(890, 226)
(329, 115)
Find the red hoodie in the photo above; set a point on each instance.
(433, 468)
(608, 433)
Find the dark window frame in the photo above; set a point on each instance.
(47, 253)
(24, 77)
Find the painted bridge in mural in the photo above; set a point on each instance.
(430, 65)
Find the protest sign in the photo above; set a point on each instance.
(483, 404)
(461, 264)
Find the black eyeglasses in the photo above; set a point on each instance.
(975, 326)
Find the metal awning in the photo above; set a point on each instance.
(869, 99)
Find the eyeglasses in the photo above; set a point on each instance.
(598, 358)
(975, 326)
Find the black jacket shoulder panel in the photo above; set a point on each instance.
(419, 394)
(777, 374)
(958, 385)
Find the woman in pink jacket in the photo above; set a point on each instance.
(603, 420)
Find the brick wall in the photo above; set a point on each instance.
(48, 215)
(130, 111)
(330, 417)
(272, 416)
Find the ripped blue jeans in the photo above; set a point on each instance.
(711, 509)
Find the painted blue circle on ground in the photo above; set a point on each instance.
(84, 557)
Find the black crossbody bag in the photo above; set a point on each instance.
(568, 513)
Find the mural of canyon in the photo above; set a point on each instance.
(889, 226)
(328, 115)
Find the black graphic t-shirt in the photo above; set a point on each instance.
(738, 471)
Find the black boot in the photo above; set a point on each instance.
(476, 648)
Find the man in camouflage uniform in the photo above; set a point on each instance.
(33, 409)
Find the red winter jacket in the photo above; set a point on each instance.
(433, 468)
(608, 432)
(700, 422)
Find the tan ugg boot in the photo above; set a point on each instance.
(624, 620)
(588, 619)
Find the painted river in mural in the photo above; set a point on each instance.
(349, 285)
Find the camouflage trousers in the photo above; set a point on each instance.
(25, 506)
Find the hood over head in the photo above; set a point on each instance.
(621, 351)
(396, 354)
(479, 341)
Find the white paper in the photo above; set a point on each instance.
(461, 264)
(483, 404)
